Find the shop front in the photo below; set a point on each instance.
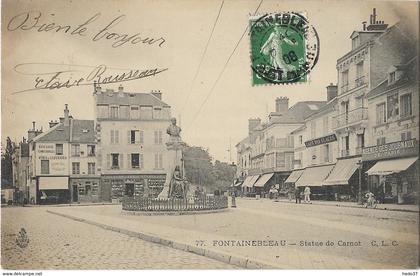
(115, 187)
(85, 189)
(53, 190)
(263, 185)
(314, 177)
(342, 184)
(394, 178)
(248, 185)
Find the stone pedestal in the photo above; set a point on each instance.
(174, 159)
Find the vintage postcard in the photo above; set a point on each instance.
(214, 134)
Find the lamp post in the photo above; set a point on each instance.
(359, 200)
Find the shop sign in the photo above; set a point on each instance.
(391, 150)
(319, 141)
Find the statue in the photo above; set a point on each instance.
(175, 183)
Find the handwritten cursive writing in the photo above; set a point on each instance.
(36, 21)
(77, 75)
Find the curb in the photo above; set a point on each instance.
(71, 204)
(212, 254)
(359, 207)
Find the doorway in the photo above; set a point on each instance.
(75, 193)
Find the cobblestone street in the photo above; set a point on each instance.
(60, 243)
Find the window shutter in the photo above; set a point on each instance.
(160, 161)
(112, 136)
(108, 161)
(117, 136)
(156, 161)
(121, 160)
(128, 136)
(128, 161)
(156, 137)
(141, 137)
(141, 162)
(160, 137)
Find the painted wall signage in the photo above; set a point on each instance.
(391, 150)
(319, 141)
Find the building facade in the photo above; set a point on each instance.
(131, 134)
(393, 147)
(63, 162)
(21, 171)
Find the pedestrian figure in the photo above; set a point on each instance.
(307, 194)
(297, 195)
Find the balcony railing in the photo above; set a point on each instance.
(350, 117)
(359, 81)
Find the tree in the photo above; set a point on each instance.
(198, 166)
(6, 165)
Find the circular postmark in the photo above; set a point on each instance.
(284, 48)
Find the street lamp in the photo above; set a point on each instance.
(360, 164)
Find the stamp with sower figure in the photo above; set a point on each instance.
(284, 48)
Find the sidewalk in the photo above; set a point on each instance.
(389, 207)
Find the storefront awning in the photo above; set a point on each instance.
(386, 167)
(314, 176)
(237, 184)
(263, 179)
(294, 176)
(342, 172)
(54, 183)
(250, 180)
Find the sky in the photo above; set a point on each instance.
(185, 26)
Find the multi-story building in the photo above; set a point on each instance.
(270, 146)
(63, 162)
(393, 143)
(374, 50)
(20, 169)
(131, 134)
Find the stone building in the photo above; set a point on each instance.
(393, 144)
(20, 169)
(131, 134)
(63, 162)
(269, 147)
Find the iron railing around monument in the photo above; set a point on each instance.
(174, 204)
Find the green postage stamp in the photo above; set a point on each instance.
(284, 48)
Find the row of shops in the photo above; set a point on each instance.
(390, 171)
(64, 189)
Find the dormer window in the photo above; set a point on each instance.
(391, 78)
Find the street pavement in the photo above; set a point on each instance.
(59, 243)
(363, 238)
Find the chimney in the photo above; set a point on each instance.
(96, 88)
(332, 92)
(66, 115)
(364, 25)
(282, 105)
(32, 133)
(252, 124)
(157, 94)
(376, 25)
(53, 123)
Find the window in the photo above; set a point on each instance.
(391, 78)
(113, 112)
(135, 137)
(102, 111)
(59, 149)
(406, 105)
(406, 136)
(345, 77)
(392, 106)
(91, 150)
(300, 139)
(157, 113)
(91, 168)
(134, 112)
(313, 129)
(326, 153)
(75, 150)
(158, 161)
(158, 137)
(124, 112)
(88, 189)
(115, 136)
(355, 42)
(359, 69)
(75, 168)
(380, 114)
(325, 125)
(146, 112)
(380, 141)
(114, 160)
(45, 167)
(360, 140)
(135, 160)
